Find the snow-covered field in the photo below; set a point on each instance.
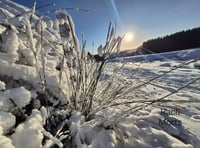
(159, 106)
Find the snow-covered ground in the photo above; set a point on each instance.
(135, 120)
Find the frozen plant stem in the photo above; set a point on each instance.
(43, 54)
(33, 10)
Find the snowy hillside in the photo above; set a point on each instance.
(53, 95)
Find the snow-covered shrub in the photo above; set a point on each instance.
(83, 73)
(56, 24)
(28, 57)
(49, 24)
(10, 41)
(41, 26)
(2, 85)
(7, 120)
(14, 98)
(9, 45)
(29, 134)
(5, 142)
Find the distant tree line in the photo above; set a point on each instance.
(177, 41)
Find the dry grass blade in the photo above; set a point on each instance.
(84, 74)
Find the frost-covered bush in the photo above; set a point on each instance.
(29, 133)
(7, 120)
(5, 142)
(10, 41)
(80, 74)
(30, 53)
(2, 85)
(9, 45)
(15, 97)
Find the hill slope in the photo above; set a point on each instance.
(177, 41)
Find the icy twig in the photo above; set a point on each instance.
(33, 10)
(53, 140)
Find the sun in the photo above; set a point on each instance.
(129, 36)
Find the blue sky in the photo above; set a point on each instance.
(145, 19)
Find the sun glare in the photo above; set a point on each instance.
(129, 36)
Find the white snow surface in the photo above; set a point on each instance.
(28, 61)
(5, 142)
(15, 97)
(29, 134)
(2, 85)
(7, 120)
